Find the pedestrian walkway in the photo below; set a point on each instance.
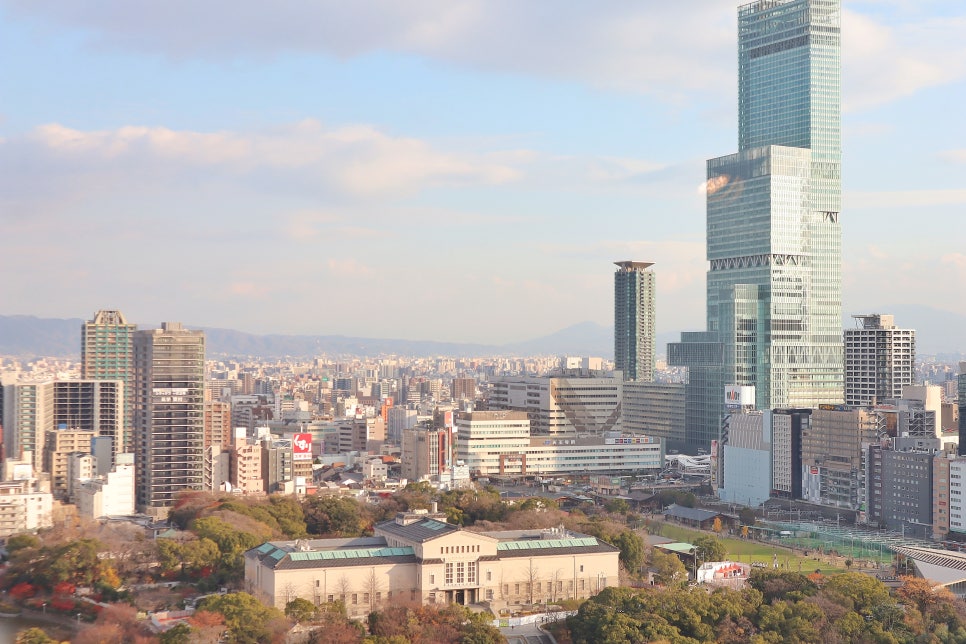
(527, 634)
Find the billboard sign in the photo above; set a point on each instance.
(737, 396)
(302, 447)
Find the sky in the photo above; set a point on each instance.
(453, 170)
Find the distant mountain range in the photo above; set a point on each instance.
(29, 336)
(938, 332)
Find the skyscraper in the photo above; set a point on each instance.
(773, 234)
(107, 354)
(169, 367)
(634, 320)
(880, 360)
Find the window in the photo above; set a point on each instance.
(516, 589)
(449, 574)
(489, 595)
(489, 575)
(581, 567)
(317, 583)
(365, 598)
(331, 598)
(471, 572)
(432, 579)
(460, 573)
(355, 598)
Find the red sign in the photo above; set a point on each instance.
(302, 447)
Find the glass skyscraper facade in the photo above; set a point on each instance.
(774, 286)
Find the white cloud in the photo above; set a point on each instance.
(953, 156)
(884, 62)
(659, 48)
(904, 198)
(54, 162)
(668, 49)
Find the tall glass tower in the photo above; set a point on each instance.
(634, 339)
(774, 288)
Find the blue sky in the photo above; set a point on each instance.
(459, 170)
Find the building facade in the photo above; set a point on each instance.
(28, 413)
(500, 443)
(634, 320)
(169, 411)
(562, 405)
(420, 558)
(58, 446)
(773, 234)
(880, 359)
(107, 353)
(655, 409)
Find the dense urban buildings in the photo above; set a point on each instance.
(634, 320)
(169, 411)
(773, 233)
(880, 359)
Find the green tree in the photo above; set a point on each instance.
(781, 584)
(333, 516)
(864, 591)
(178, 634)
(288, 512)
(34, 635)
(632, 554)
(709, 548)
(301, 610)
(617, 506)
(668, 569)
(248, 620)
(20, 542)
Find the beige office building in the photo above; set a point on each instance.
(420, 558)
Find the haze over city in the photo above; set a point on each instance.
(460, 172)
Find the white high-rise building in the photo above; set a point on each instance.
(880, 359)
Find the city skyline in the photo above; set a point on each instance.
(418, 159)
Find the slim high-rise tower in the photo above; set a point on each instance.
(774, 240)
(169, 415)
(107, 349)
(880, 359)
(634, 320)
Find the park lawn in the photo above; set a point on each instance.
(749, 551)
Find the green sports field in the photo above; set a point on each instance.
(750, 551)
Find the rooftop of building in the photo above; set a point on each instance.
(418, 527)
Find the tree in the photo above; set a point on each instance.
(178, 634)
(333, 516)
(747, 516)
(301, 610)
(780, 584)
(617, 506)
(716, 526)
(709, 548)
(668, 569)
(632, 550)
(34, 635)
(531, 574)
(248, 620)
(865, 592)
(20, 542)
